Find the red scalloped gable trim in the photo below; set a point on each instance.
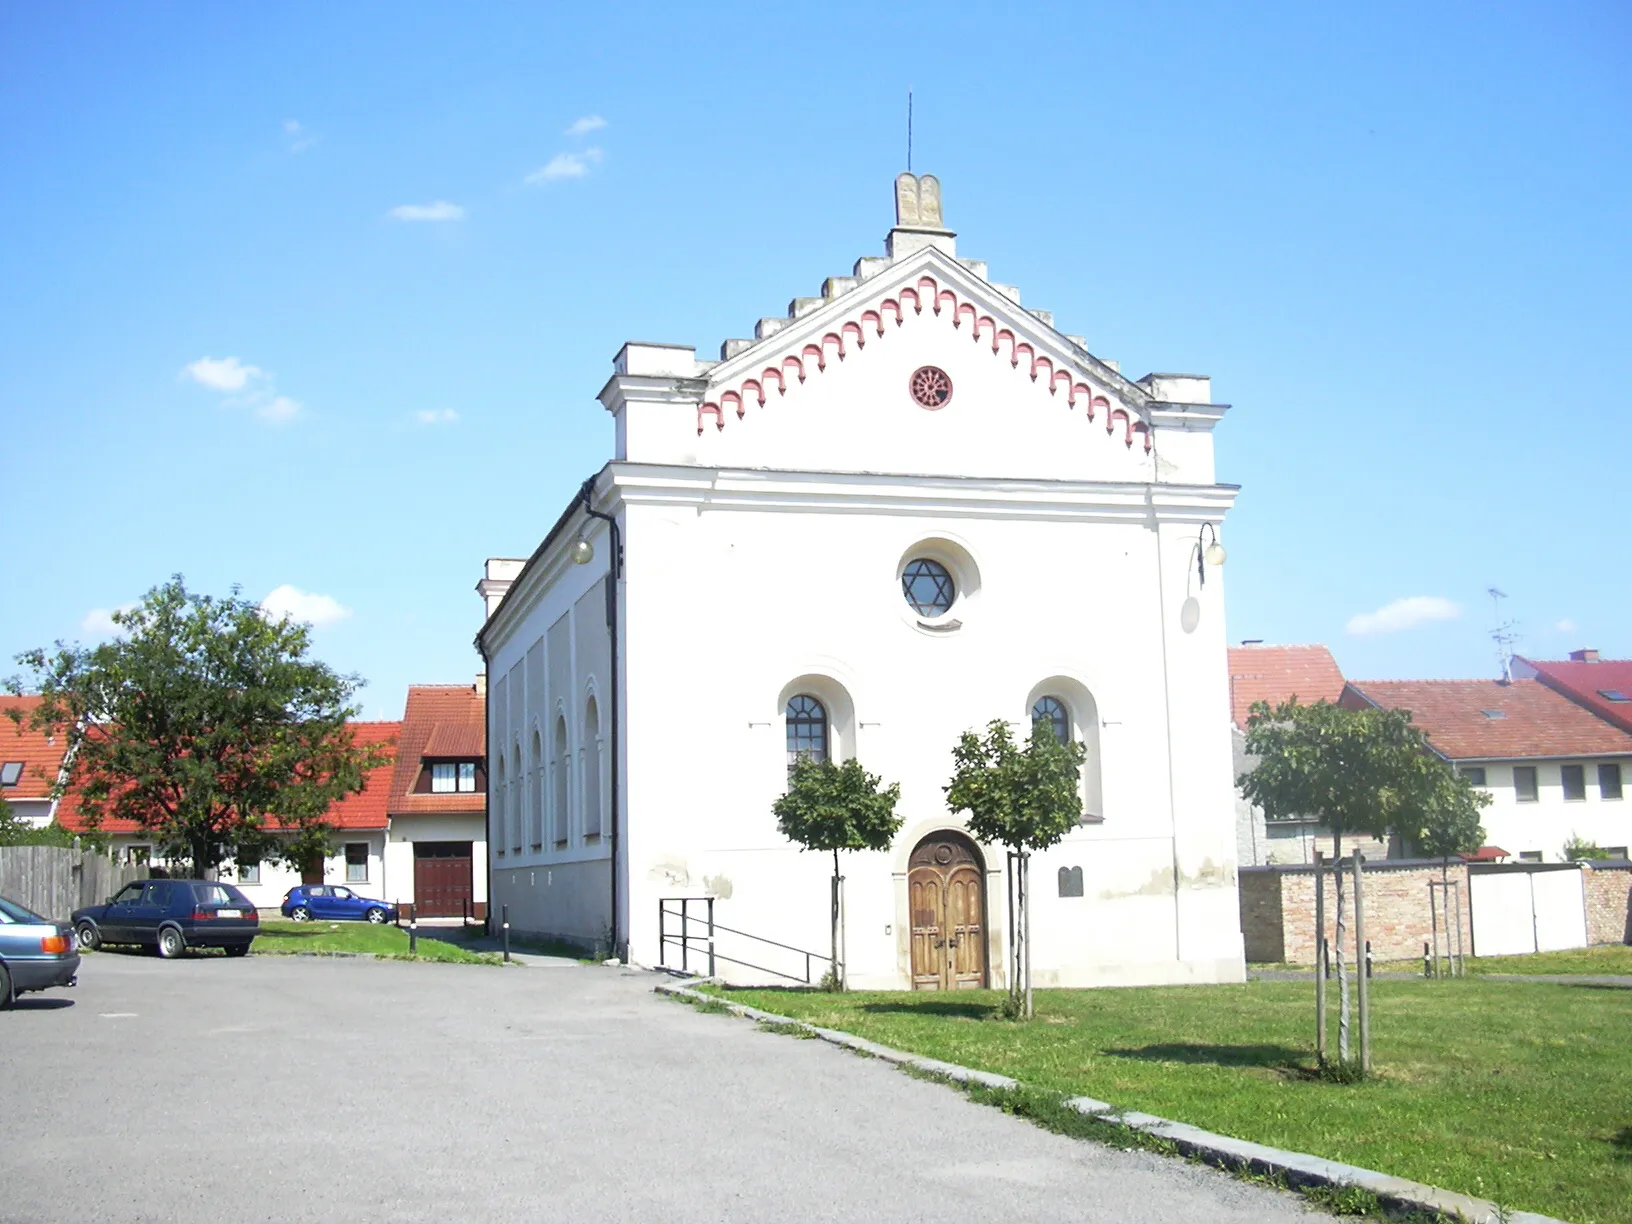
(941, 301)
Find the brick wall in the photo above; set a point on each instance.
(1609, 892)
(1398, 920)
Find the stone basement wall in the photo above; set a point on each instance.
(1609, 900)
(1278, 910)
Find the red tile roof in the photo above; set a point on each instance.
(448, 716)
(364, 810)
(1279, 673)
(41, 756)
(1534, 721)
(1586, 683)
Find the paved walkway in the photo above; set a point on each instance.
(299, 1089)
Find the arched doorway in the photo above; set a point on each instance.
(946, 893)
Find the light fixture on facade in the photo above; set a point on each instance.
(1209, 553)
(583, 552)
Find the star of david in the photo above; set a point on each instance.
(928, 587)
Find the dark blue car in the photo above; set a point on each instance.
(172, 916)
(333, 901)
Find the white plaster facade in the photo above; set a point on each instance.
(1537, 829)
(764, 549)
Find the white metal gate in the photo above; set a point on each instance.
(1527, 907)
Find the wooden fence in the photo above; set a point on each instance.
(54, 881)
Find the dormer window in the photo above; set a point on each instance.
(451, 777)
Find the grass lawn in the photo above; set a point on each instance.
(283, 938)
(1611, 958)
(1516, 1092)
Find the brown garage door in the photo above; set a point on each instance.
(442, 879)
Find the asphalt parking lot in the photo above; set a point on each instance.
(305, 1089)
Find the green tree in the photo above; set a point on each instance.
(1025, 798)
(1577, 849)
(205, 722)
(837, 807)
(1367, 771)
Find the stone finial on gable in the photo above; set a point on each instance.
(918, 221)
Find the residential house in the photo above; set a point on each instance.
(436, 844)
(30, 761)
(1603, 686)
(909, 507)
(1554, 768)
(1276, 674)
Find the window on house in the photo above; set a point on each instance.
(1613, 695)
(467, 777)
(807, 730)
(443, 778)
(1614, 852)
(1575, 781)
(249, 873)
(1052, 711)
(1524, 783)
(357, 862)
(563, 792)
(11, 773)
(1529, 856)
(138, 856)
(1475, 774)
(1609, 781)
(1494, 714)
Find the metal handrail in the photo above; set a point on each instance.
(705, 942)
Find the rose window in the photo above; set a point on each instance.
(930, 387)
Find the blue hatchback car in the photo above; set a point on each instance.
(307, 901)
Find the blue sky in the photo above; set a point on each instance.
(1396, 236)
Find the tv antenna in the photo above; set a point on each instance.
(1504, 635)
(909, 130)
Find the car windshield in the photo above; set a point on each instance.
(10, 911)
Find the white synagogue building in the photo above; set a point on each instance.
(907, 508)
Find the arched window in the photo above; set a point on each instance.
(516, 800)
(807, 729)
(535, 792)
(1053, 711)
(593, 819)
(561, 766)
(497, 833)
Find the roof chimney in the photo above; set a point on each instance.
(1583, 656)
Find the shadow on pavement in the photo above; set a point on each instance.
(50, 1003)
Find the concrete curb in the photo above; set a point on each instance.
(1299, 1168)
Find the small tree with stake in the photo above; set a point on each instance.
(1450, 825)
(837, 807)
(1366, 771)
(1026, 798)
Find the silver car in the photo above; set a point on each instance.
(35, 953)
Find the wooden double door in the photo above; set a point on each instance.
(946, 894)
(443, 879)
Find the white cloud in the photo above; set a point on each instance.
(292, 603)
(1566, 626)
(299, 138)
(1405, 613)
(586, 125)
(566, 166)
(279, 410)
(436, 416)
(440, 211)
(98, 622)
(222, 374)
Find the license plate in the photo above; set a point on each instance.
(229, 913)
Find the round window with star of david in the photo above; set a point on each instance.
(928, 586)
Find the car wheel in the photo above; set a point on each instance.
(376, 916)
(301, 914)
(90, 939)
(5, 988)
(171, 943)
(237, 949)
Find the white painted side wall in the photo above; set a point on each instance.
(1545, 825)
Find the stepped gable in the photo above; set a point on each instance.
(920, 270)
